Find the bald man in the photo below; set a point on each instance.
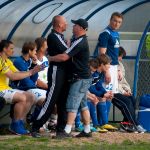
(58, 86)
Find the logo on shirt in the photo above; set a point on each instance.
(116, 44)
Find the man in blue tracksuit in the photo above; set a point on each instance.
(108, 43)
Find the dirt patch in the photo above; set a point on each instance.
(118, 137)
(110, 137)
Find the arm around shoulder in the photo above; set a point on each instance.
(59, 58)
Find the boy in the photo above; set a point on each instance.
(98, 89)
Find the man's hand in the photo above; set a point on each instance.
(109, 95)
(102, 99)
(36, 69)
(34, 59)
(127, 93)
(92, 97)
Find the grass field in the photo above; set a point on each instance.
(108, 141)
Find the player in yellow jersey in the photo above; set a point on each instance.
(21, 99)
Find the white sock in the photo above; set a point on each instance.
(53, 117)
(68, 128)
(87, 128)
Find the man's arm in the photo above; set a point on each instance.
(21, 75)
(102, 50)
(103, 42)
(59, 57)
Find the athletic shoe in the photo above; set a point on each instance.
(128, 127)
(93, 129)
(64, 134)
(35, 134)
(101, 130)
(84, 134)
(140, 129)
(80, 128)
(23, 126)
(16, 127)
(52, 125)
(109, 127)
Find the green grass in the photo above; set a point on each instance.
(29, 143)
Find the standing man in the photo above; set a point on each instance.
(79, 52)
(57, 79)
(108, 42)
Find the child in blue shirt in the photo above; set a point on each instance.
(102, 91)
(98, 66)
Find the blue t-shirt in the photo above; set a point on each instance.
(95, 77)
(27, 83)
(97, 87)
(110, 39)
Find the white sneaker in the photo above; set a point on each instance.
(140, 129)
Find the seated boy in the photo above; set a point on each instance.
(105, 95)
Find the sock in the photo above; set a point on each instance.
(68, 128)
(53, 117)
(87, 128)
(102, 110)
(108, 104)
(93, 113)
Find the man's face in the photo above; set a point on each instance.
(76, 29)
(63, 24)
(9, 51)
(115, 22)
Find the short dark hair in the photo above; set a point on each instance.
(4, 44)
(103, 59)
(122, 51)
(118, 14)
(39, 42)
(28, 46)
(94, 63)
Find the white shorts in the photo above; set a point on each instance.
(113, 85)
(9, 94)
(38, 93)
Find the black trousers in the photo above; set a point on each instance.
(58, 88)
(127, 106)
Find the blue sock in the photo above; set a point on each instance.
(102, 113)
(93, 113)
(77, 120)
(108, 104)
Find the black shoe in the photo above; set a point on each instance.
(127, 127)
(84, 134)
(60, 135)
(51, 127)
(35, 134)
